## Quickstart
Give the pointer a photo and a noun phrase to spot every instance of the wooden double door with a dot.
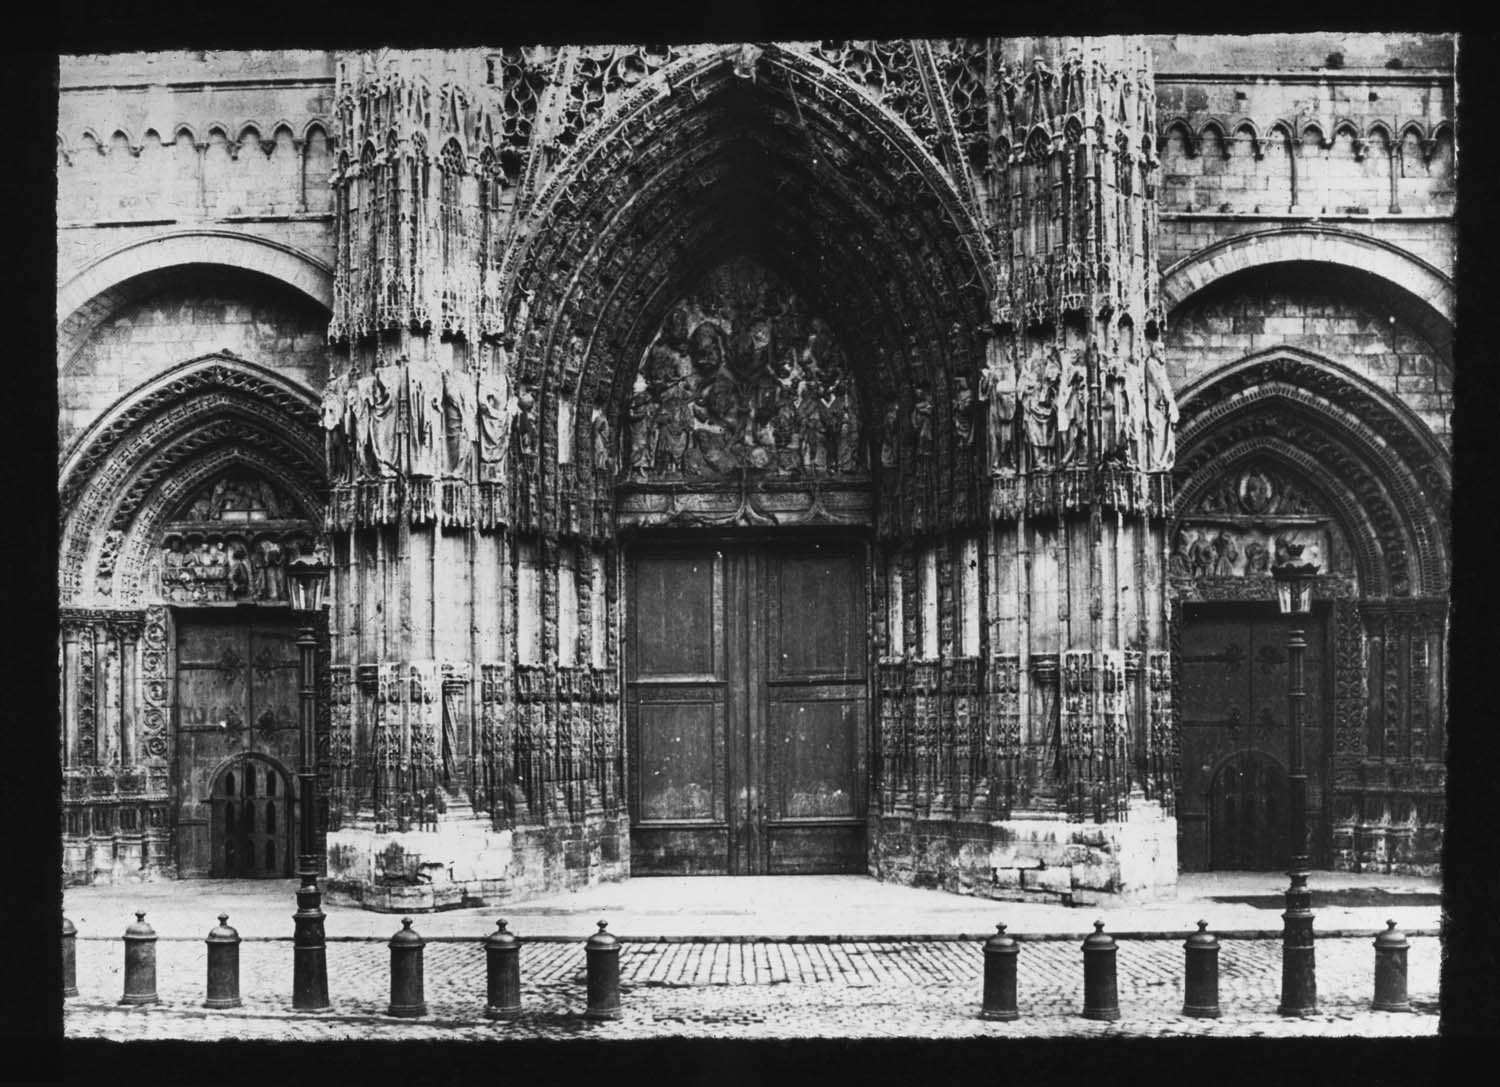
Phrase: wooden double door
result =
(1233, 805)
(747, 706)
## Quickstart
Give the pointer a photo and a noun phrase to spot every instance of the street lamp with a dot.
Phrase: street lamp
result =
(308, 579)
(1299, 985)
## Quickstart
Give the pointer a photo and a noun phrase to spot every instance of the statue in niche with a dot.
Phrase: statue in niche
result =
(459, 419)
(811, 427)
(1160, 415)
(602, 441)
(1072, 411)
(841, 432)
(334, 414)
(1179, 564)
(997, 387)
(424, 398)
(526, 427)
(1257, 558)
(1225, 555)
(1039, 405)
(496, 412)
(380, 415)
(1118, 415)
(642, 429)
(963, 411)
(889, 434)
(239, 572)
(1200, 556)
(921, 424)
(270, 575)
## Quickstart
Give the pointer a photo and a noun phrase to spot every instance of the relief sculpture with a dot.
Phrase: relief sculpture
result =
(741, 377)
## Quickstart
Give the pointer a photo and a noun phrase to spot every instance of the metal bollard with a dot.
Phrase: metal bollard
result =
(502, 952)
(1201, 975)
(223, 966)
(406, 973)
(602, 952)
(70, 959)
(1000, 955)
(1390, 971)
(140, 963)
(1101, 996)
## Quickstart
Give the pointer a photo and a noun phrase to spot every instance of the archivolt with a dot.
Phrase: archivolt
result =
(794, 165)
(145, 455)
(1387, 481)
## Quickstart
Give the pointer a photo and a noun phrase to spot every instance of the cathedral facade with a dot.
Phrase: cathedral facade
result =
(843, 456)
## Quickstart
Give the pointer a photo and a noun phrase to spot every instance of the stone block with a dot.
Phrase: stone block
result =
(1051, 880)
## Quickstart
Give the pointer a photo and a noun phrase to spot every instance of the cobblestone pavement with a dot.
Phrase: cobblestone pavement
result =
(747, 989)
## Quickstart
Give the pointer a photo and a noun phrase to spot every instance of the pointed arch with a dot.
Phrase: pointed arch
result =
(145, 455)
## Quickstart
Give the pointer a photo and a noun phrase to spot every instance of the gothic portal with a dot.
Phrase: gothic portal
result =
(853, 456)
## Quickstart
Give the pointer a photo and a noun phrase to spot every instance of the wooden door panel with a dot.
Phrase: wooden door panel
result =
(677, 625)
(818, 627)
(681, 760)
(812, 747)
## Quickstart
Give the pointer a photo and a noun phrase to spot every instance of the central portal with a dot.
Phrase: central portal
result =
(747, 706)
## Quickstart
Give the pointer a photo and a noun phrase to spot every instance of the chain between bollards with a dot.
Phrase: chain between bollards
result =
(140, 963)
(602, 952)
(1101, 996)
(502, 952)
(1390, 971)
(406, 973)
(223, 966)
(1200, 988)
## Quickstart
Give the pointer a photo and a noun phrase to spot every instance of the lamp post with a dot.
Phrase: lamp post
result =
(309, 581)
(1299, 985)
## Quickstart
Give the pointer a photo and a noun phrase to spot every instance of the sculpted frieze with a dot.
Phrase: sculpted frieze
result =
(740, 376)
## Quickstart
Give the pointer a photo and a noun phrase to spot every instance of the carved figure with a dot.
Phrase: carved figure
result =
(642, 428)
(496, 412)
(1287, 551)
(1200, 556)
(603, 442)
(459, 421)
(921, 424)
(1225, 555)
(424, 399)
(270, 582)
(963, 411)
(1257, 558)
(1039, 407)
(889, 434)
(1161, 414)
(997, 387)
(380, 416)
(1072, 411)
(239, 572)
(1179, 563)
(333, 410)
(527, 429)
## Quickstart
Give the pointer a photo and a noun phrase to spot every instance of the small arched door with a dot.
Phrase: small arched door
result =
(1248, 814)
(251, 821)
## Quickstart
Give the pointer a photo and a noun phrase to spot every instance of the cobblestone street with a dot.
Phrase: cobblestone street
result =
(748, 989)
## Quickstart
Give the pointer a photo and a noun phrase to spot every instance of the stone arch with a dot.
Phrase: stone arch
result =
(790, 162)
(144, 456)
(93, 292)
(1378, 469)
(1431, 292)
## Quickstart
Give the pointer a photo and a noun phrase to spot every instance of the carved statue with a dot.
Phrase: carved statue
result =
(1257, 558)
(459, 421)
(997, 386)
(334, 411)
(890, 433)
(270, 578)
(921, 424)
(1179, 564)
(1072, 410)
(424, 399)
(603, 442)
(239, 572)
(527, 427)
(1225, 555)
(380, 415)
(1039, 406)
(1118, 416)
(642, 428)
(496, 412)
(963, 411)
(1200, 556)
(1161, 414)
